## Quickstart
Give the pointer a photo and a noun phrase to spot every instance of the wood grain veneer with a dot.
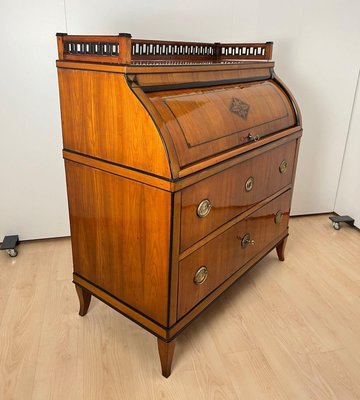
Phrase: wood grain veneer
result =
(151, 131)
(224, 255)
(204, 122)
(102, 118)
(125, 248)
(227, 193)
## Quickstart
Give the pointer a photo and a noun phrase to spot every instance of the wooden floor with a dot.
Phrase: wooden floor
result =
(286, 330)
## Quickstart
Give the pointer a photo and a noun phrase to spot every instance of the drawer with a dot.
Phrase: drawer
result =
(229, 193)
(225, 254)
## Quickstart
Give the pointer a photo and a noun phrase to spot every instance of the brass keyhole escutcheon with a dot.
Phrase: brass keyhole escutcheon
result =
(283, 166)
(203, 208)
(200, 275)
(278, 217)
(249, 184)
(246, 240)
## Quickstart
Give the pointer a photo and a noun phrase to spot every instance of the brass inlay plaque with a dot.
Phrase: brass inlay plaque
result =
(239, 107)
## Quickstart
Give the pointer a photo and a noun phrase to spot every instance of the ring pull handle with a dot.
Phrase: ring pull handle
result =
(246, 240)
(204, 208)
(283, 166)
(253, 138)
(249, 184)
(200, 275)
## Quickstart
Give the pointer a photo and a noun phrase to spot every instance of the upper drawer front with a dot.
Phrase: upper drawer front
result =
(226, 253)
(233, 191)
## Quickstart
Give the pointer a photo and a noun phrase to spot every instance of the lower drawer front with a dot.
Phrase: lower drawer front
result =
(207, 268)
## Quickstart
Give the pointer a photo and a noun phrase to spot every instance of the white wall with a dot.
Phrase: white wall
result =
(32, 194)
(348, 196)
(317, 54)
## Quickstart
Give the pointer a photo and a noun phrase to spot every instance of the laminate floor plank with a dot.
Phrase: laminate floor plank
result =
(8, 272)
(296, 376)
(22, 322)
(211, 374)
(343, 382)
(286, 330)
(59, 365)
(105, 349)
(253, 376)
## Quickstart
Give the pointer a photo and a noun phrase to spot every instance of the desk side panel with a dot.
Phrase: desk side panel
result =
(120, 234)
(102, 118)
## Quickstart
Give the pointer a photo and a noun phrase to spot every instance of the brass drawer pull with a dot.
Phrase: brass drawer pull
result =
(249, 184)
(283, 166)
(246, 240)
(203, 208)
(200, 275)
(278, 217)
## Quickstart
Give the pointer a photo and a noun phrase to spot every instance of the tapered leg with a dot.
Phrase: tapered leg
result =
(166, 352)
(84, 299)
(280, 249)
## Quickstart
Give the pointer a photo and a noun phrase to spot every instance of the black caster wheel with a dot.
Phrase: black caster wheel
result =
(336, 219)
(9, 243)
(336, 225)
(12, 252)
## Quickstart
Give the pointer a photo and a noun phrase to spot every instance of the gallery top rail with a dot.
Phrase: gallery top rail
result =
(122, 49)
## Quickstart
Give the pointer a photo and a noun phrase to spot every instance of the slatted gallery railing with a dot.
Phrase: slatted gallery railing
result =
(122, 49)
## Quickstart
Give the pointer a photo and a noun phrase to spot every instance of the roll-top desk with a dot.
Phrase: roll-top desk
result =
(180, 160)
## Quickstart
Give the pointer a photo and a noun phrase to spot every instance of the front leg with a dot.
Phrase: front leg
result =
(280, 249)
(84, 299)
(166, 352)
